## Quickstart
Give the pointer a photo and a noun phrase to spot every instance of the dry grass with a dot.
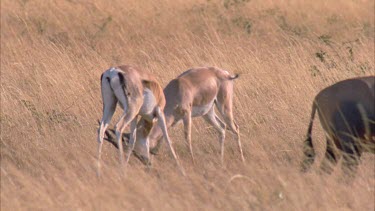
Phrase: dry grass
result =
(52, 55)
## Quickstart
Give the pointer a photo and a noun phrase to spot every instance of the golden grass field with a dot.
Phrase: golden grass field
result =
(54, 51)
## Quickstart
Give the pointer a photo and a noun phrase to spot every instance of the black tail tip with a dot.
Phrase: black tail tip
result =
(234, 76)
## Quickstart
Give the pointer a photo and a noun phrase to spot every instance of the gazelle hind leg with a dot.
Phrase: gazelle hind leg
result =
(237, 131)
(187, 132)
(220, 126)
(226, 112)
(109, 107)
(161, 122)
(120, 126)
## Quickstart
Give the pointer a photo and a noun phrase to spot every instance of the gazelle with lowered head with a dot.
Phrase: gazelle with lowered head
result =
(195, 93)
(139, 94)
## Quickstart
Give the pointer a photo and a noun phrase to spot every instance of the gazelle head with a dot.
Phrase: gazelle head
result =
(138, 149)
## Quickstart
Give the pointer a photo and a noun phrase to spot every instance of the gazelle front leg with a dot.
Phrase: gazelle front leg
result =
(187, 132)
(161, 122)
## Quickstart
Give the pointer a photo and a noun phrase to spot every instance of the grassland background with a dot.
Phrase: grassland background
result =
(52, 55)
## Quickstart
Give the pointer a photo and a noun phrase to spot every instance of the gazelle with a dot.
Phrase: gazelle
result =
(195, 93)
(138, 93)
(347, 114)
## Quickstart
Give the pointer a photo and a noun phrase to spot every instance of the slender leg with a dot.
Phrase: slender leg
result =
(187, 132)
(220, 126)
(239, 140)
(155, 150)
(161, 122)
(235, 128)
(226, 111)
(133, 132)
(109, 107)
(120, 126)
(148, 162)
(99, 157)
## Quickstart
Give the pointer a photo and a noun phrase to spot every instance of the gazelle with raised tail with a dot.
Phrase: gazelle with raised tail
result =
(195, 93)
(139, 94)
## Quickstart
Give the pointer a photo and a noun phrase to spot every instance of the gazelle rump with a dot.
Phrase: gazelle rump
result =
(139, 94)
(195, 93)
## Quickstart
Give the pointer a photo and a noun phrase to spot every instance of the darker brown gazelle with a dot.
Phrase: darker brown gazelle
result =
(139, 94)
(195, 93)
(346, 113)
